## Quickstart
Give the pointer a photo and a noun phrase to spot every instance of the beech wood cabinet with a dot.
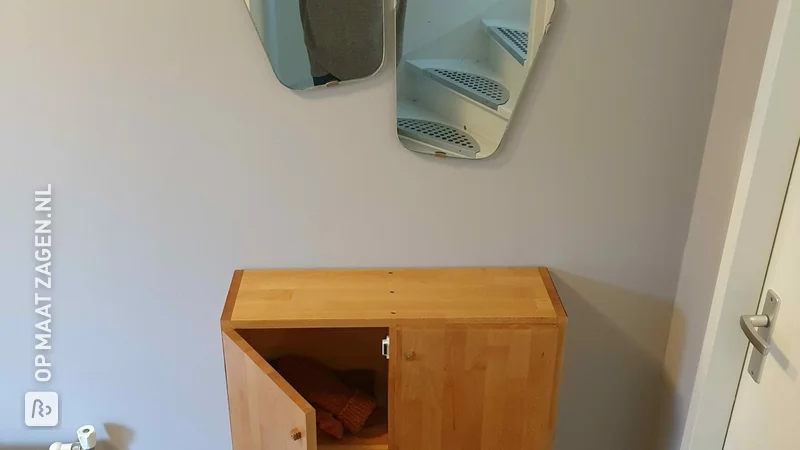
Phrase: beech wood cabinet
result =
(474, 355)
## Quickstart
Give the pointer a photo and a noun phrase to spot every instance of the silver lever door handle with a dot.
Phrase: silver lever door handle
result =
(761, 338)
(749, 325)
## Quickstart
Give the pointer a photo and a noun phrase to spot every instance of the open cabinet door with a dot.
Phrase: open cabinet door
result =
(266, 412)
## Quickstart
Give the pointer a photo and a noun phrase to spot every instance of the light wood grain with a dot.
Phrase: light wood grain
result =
(552, 293)
(475, 355)
(385, 297)
(264, 408)
(562, 329)
(230, 300)
(474, 388)
(394, 382)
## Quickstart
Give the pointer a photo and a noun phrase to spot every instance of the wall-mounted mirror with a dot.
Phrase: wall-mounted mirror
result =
(463, 65)
(314, 43)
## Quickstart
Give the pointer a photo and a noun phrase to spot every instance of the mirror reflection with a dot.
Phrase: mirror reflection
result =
(314, 43)
(463, 65)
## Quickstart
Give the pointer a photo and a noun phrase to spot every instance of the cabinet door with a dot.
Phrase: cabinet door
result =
(266, 412)
(474, 388)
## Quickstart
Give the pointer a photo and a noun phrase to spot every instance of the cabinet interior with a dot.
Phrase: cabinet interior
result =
(341, 349)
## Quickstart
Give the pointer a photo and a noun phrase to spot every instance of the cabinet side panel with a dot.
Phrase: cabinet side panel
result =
(475, 388)
(559, 365)
(264, 409)
(542, 385)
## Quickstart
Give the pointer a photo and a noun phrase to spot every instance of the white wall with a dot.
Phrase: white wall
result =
(176, 157)
(740, 72)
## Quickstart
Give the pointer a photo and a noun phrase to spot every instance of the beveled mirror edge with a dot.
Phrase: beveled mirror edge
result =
(264, 42)
(529, 77)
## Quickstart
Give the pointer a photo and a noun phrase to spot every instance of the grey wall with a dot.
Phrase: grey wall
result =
(176, 157)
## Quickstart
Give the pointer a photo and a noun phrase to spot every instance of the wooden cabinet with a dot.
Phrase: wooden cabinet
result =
(474, 355)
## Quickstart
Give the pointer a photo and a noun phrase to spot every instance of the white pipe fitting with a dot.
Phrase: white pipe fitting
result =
(87, 440)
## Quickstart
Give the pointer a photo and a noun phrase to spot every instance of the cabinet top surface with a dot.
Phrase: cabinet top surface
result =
(383, 297)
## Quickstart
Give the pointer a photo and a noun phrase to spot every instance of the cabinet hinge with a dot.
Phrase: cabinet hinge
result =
(385, 347)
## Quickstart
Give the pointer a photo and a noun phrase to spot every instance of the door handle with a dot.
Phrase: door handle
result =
(759, 329)
(749, 325)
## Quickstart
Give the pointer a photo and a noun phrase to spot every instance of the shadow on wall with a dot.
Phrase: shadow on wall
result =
(612, 377)
(119, 438)
(672, 403)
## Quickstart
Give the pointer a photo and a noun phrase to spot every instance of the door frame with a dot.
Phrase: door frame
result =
(758, 202)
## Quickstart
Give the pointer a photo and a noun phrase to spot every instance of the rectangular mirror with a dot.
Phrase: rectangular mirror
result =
(463, 66)
(314, 43)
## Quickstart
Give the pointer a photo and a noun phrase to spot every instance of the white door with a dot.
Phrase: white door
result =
(755, 259)
(766, 415)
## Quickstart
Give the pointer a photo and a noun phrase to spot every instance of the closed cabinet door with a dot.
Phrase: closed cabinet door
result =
(482, 387)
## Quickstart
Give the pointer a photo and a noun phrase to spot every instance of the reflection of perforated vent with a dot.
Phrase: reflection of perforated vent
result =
(438, 135)
(479, 88)
(519, 38)
(514, 41)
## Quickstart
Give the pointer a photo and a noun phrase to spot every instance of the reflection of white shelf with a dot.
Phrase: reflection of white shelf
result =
(501, 60)
(513, 40)
(461, 73)
(477, 68)
(410, 109)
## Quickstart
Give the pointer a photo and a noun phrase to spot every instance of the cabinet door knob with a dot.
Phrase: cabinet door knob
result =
(409, 356)
(295, 434)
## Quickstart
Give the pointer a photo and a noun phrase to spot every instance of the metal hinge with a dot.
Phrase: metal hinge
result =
(385, 347)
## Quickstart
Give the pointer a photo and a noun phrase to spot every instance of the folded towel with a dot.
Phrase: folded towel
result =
(327, 423)
(319, 384)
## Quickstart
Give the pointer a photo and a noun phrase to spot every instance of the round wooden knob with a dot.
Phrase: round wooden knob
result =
(409, 356)
(295, 434)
